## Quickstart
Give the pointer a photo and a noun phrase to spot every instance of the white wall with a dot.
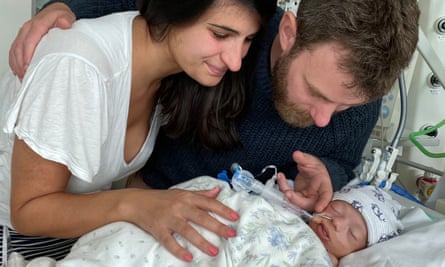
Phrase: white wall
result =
(13, 13)
(425, 103)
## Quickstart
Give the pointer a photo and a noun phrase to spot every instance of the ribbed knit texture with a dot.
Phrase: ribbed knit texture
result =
(268, 140)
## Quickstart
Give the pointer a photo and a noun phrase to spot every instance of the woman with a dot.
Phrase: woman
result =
(89, 108)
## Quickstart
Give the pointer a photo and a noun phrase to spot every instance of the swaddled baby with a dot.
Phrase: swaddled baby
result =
(358, 217)
(267, 234)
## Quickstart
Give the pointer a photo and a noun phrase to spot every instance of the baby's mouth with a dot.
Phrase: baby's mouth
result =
(322, 233)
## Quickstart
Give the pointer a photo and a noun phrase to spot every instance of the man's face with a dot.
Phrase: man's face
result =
(309, 88)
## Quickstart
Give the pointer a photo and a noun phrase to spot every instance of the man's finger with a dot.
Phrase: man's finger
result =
(283, 185)
(323, 201)
(300, 200)
(16, 59)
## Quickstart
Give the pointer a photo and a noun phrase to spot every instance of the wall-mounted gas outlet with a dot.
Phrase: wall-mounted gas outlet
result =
(440, 25)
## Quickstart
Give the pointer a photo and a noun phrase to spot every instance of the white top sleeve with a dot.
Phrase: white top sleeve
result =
(62, 116)
(72, 106)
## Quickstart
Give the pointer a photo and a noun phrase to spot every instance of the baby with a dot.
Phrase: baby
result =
(357, 217)
(267, 234)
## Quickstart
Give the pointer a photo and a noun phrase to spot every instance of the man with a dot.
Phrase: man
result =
(317, 89)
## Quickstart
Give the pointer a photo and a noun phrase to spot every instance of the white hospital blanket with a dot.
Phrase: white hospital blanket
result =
(266, 236)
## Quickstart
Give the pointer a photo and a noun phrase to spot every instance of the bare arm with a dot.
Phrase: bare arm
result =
(38, 191)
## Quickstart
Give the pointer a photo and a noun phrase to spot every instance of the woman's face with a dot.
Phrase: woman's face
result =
(215, 43)
(345, 233)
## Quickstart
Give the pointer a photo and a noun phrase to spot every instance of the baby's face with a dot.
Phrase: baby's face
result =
(345, 233)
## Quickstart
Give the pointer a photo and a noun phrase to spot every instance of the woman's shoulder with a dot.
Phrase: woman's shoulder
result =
(103, 43)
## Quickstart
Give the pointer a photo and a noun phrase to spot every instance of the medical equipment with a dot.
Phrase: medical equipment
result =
(289, 5)
(378, 169)
(415, 105)
(243, 180)
(413, 137)
(426, 96)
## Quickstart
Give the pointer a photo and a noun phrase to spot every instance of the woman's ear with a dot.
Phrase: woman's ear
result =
(287, 31)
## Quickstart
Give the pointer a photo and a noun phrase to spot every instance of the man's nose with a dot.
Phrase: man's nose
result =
(322, 114)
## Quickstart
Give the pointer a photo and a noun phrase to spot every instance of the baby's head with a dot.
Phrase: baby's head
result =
(360, 216)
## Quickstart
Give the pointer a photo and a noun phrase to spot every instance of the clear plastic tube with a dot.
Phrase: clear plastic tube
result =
(243, 180)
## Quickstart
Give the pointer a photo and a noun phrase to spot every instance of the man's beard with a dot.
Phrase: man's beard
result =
(289, 112)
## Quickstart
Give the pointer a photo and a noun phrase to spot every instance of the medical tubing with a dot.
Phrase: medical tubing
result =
(398, 190)
(413, 135)
(245, 181)
(403, 110)
(402, 192)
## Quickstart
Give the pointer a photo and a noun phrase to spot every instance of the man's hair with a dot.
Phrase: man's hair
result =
(378, 37)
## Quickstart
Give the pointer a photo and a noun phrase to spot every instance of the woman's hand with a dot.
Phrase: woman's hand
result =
(38, 190)
(165, 212)
(21, 51)
(312, 186)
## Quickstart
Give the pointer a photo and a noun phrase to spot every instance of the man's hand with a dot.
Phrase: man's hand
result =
(21, 51)
(312, 186)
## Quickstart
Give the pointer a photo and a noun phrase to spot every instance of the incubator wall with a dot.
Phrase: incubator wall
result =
(425, 104)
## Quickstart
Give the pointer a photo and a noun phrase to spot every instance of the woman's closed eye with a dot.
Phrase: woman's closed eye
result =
(250, 38)
(219, 35)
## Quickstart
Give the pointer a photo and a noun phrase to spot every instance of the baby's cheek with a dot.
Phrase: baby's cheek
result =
(316, 220)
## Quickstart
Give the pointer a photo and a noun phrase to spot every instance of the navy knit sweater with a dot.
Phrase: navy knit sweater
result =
(266, 139)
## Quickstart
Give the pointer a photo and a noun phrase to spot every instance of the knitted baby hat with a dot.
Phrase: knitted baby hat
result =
(380, 211)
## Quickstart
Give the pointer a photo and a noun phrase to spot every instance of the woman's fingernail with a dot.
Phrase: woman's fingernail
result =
(213, 251)
(188, 257)
(234, 215)
(231, 233)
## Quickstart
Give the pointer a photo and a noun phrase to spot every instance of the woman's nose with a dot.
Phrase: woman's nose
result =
(233, 56)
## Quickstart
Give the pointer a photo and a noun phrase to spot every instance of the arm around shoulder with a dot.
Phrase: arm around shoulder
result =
(96, 8)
